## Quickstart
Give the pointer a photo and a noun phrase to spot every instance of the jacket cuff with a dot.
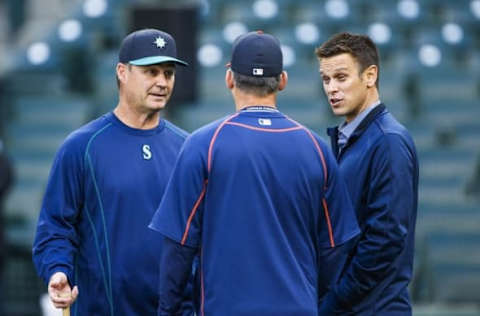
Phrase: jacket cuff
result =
(63, 269)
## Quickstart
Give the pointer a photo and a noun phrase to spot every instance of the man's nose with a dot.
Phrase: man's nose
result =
(160, 80)
(331, 86)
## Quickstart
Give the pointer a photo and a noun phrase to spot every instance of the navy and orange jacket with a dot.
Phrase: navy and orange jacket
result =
(261, 198)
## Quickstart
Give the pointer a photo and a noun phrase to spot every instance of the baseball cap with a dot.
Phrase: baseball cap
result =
(257, 54)
(148, 47)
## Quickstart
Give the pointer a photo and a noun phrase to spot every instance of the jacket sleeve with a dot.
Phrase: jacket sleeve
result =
(56, 239)
(179, 215)
(175, 283)
(390, 209)
(179, 219)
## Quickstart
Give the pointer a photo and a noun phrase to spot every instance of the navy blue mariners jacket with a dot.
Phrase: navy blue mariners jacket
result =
(105, 184)
(262, 199)
(380, 166)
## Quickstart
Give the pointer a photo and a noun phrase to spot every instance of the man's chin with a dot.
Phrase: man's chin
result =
(158, 106)
(338, 112)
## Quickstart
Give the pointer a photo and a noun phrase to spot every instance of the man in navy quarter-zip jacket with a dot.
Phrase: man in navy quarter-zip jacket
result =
(378, 160)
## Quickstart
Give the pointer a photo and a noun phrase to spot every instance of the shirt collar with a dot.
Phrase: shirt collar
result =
(259, 108)
(347, 128)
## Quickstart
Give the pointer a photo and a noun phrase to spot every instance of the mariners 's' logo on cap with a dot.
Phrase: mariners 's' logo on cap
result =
(160, 42)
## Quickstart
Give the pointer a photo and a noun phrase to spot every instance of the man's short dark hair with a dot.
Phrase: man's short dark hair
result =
(258, 86)
(361, 47)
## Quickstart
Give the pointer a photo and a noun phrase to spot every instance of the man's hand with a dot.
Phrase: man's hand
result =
(60, 292)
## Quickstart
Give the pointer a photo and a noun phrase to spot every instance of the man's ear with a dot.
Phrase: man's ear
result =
(121, 72)
(370, 75)
(283, 81)
(229, 79)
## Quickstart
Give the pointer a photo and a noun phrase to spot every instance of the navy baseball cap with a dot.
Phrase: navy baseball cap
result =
(257, 54)
(149, 47)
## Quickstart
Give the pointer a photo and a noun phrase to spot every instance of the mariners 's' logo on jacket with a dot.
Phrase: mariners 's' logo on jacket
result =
(147, 154)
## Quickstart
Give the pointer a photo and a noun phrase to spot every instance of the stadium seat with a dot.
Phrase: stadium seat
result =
(21, 286)
(330, 16)
(455, 263)
(42, 122)
(455, 113)
(260, 14)
(443, 81)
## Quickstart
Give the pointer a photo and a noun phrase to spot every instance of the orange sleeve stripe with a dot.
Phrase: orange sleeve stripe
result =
(317, 146)
(325, 173)
(192, 213)
(214, 138)
(329, 224)
(322, 158)
(324, 201)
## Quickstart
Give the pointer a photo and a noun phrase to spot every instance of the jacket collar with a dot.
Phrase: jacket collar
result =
(333, 131)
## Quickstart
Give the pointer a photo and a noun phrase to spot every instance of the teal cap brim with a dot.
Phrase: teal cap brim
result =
(152, 60)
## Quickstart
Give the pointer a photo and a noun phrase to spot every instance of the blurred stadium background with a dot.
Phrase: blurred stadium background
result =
(57, 72)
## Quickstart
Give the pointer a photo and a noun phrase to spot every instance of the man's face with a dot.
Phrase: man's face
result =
(148, 88)
(345, 88)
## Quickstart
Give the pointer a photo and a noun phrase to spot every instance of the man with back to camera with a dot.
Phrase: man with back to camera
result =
(260, 197)
(378, 160)
(106, 182)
